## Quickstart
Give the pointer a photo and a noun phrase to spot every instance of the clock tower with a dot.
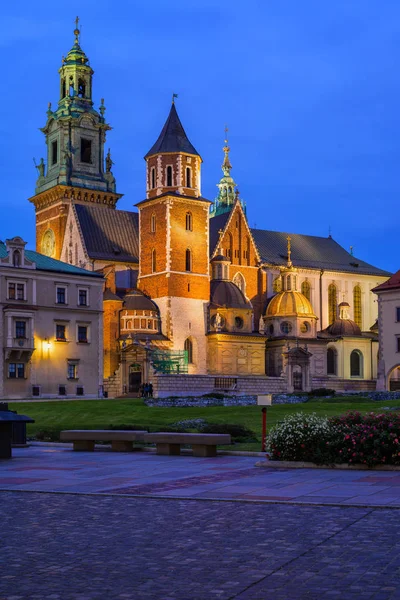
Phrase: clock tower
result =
(76, 169)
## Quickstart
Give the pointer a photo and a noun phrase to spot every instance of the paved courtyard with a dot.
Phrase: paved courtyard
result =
(139, 526)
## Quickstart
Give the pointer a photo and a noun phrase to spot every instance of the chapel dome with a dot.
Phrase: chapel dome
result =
(225, 294)
(344, 328)
(289, 304)
(136, 300)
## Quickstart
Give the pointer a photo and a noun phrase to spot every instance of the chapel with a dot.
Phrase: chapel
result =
(195, 300)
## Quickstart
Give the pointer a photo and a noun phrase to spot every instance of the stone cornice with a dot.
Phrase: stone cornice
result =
(68, 193)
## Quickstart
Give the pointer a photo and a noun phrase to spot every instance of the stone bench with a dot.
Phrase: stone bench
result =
(203, 444)
(84, 439)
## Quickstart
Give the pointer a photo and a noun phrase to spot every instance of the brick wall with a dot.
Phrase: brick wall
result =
(344, 385)
(197, 385)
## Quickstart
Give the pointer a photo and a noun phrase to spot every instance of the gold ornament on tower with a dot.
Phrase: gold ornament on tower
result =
(48, 244)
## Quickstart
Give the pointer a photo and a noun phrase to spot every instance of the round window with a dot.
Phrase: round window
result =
(304, 327)
(238, 322)
(217, 321)
(271, 329)
(286, 327)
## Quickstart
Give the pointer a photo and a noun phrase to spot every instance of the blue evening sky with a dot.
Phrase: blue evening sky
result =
(309, 89)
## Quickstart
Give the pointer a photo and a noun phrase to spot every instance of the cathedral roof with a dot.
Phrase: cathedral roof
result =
(225, 294)
(311, 252)
(109, 234)
(173, 137)
(136, 300)
(341, 328)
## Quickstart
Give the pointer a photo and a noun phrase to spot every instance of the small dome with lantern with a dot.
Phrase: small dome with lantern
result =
(343, 326)
(290, 312)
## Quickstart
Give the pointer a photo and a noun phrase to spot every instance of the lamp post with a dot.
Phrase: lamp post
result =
(264, 401)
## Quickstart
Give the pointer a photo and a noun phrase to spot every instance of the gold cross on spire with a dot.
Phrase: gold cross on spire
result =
(76, 30)
(289, 251)
(226, 134)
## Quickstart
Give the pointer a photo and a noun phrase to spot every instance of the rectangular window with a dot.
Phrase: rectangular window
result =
(16, 291)
(83, 298)
(398, 314)
(72, 371)
(54, 152)
(86, 151)
(20, 329)
(82, 334)
(61, 295)
(80, 391)
(60, 333)
(398, 344)
(62, 390)
(16, 370)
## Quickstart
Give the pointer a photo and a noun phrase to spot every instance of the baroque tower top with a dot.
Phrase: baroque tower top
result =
(76, 132)
(227, 187)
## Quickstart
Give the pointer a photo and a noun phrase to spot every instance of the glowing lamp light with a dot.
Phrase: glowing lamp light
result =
(47, 344)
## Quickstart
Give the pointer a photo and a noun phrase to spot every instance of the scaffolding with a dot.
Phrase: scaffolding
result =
(169, 362)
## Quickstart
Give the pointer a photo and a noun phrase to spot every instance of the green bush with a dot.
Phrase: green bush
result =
(321, 392)
(238, 433)
(48, 435)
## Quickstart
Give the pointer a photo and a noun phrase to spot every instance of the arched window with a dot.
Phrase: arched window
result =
(188, 261)
(306, 290)
(189, 223)
(331, 361)
(63, 88)
(169, 176)
(153, 178)
(332, 303)
(277, 285)
(153, 261)
(128, 325)
(153, 223)
(357, 305)
(17, 258)
(356, 364)
(81, 88)
(289, 283)
(71, 86)
(188, 177)
(240, 282)
(188, 347)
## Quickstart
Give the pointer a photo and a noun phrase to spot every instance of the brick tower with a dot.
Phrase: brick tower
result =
(174, 262)
(74, 171)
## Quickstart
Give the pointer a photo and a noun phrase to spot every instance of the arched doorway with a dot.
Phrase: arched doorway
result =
(135, 377)
(393, 379)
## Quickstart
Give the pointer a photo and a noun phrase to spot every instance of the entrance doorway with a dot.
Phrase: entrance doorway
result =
(135, 377)
(297, 379)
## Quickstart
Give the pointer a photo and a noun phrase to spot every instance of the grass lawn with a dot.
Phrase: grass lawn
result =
(132, 411)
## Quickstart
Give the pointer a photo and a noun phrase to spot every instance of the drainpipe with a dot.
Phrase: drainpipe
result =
(320, 296)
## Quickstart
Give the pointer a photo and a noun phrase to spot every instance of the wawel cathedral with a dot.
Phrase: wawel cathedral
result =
(195, 300)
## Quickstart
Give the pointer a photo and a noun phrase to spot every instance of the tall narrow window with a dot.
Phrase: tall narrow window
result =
(63, 88)
(189, 225)
(81, 88)
(357, 305)
(54, 152)
(188, 177)
(169, 176)
(153, 178)
(153, 260)
(331, 361)
(306, 290)
(20, 329)
(189, 349)
(153, 223)
(86, 151)
(188, 261)
(356, 364)
(17, 258)
(332, 303)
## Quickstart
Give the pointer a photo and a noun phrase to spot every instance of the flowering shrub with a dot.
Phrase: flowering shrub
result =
(300, 437)
(352, 438)
(369, 439)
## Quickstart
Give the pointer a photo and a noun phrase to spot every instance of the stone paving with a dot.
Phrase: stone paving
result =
(146, 535)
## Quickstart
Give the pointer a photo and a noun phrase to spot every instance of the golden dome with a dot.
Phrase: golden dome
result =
(289, 304)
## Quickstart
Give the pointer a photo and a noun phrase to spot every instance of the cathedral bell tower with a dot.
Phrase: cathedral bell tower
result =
(76, 170)
(173, 222)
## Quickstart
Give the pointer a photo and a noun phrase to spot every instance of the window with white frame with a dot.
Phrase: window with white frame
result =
(20, 329)
(61, 295)
(61, 332)
(16, 370)
(16, 290)
(83, 297)
(72, 369)
(82, 334)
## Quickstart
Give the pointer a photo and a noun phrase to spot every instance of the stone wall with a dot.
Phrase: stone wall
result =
(165, 386)
(344, 385)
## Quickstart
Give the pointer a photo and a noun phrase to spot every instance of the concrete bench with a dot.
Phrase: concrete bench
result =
(84, 439)
(203, 444)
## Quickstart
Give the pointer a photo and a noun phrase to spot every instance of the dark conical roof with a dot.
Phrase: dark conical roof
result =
(173, 137)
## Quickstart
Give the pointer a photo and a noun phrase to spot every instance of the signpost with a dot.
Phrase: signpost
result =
(264, 401)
